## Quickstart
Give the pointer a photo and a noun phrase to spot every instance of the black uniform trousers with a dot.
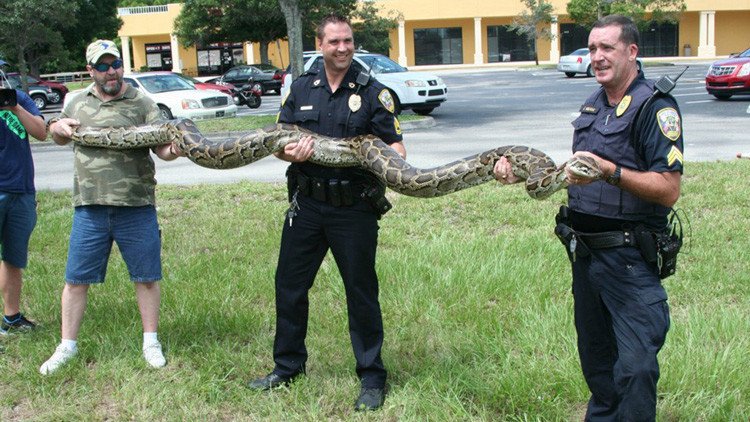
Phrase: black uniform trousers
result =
(622, 319)
(351, 232)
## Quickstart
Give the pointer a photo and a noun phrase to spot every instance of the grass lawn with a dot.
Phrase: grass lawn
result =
(475, 291)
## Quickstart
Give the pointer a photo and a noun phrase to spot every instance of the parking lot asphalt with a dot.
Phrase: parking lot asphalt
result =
(486, 108)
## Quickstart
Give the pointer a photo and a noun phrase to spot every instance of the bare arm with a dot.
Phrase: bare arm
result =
(34, 125)
(660, 188)
(62, 130)
(400, 149)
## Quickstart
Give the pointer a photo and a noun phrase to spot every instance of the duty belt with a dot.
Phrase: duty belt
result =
(604, 240)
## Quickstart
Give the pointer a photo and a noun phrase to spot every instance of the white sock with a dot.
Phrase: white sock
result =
(149, 339)
(69, 344)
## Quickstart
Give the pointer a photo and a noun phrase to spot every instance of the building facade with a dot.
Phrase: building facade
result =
(443, 33)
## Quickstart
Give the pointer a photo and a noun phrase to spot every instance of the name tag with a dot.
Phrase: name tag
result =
(307, 107)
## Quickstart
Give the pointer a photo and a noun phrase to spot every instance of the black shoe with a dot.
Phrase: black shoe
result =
(271, 381)
(369, 399)
(20, 324)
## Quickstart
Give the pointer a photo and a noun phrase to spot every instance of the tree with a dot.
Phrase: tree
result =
(95, 19)
(210, 21)
(371, 31)
(536, 13)
(586, 12)
(43, 36)
(28, 37)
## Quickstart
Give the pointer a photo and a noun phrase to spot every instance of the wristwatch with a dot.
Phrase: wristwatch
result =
(50, 121)
(614, 178)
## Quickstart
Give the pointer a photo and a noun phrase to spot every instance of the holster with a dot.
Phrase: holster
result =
(574, 246)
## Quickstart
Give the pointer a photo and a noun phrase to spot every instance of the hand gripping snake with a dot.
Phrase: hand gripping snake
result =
(541, 175)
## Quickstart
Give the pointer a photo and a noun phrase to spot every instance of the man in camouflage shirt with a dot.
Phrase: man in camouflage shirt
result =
(114, 200)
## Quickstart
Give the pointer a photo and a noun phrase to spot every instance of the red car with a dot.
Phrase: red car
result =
(240, 97)
(729, 77)
(59, 91)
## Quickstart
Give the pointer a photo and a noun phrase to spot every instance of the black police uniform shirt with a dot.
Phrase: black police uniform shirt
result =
(310, 104)
(656, 145)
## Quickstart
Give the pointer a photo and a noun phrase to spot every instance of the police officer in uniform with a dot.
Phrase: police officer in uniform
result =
(336, 208)
(621, 315)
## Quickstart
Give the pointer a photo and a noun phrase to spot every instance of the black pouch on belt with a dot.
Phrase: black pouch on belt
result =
(318, 189)
(347, 194)
(334, 192)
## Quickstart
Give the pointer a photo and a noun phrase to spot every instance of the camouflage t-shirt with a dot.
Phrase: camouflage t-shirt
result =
(107, 176)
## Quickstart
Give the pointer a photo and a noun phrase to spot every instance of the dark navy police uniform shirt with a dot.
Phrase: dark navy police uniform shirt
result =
(16, 164)
(310, 104)
(656, 145)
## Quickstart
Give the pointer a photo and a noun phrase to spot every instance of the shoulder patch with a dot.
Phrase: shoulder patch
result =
(669, 123)
(387, 101)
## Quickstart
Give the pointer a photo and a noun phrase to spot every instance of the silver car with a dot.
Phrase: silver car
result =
(578, 61)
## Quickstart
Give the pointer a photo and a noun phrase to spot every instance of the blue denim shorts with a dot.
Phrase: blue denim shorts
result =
(17, 221)
(95, 227)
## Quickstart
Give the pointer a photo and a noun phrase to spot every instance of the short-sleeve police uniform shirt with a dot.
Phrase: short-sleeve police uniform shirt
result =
(351, 110)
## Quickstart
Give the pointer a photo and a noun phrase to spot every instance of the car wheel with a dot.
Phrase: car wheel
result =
(40, 101)
(722, 96)
(589, 72)
(424, 111)
(56, 97)
(570, 74)
(165, 112)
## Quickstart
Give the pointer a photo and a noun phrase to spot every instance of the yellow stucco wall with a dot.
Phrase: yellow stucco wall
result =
(731, 35)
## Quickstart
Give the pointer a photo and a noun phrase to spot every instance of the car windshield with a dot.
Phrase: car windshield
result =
(745, 53)
(164, 83)
(382, 64)
(580, 52)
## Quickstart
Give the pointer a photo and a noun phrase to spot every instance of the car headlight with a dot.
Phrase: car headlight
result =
(189, 104)
(744, 70)
(415, 83)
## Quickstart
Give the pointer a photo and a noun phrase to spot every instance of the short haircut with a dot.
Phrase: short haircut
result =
(331, 18)
(628, 31)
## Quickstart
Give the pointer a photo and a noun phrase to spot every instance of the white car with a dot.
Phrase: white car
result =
(418, 91)
(177, 98)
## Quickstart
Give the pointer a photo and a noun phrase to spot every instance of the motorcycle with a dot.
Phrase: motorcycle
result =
(250, 94)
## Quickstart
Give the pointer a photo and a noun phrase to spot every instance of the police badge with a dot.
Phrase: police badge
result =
(355, 102)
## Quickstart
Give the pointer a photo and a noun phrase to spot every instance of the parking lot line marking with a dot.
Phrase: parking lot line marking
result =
(693, 93)
(700, 101)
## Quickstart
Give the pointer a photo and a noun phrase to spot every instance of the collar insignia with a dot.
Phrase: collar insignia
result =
(351, 85)
(316, 82)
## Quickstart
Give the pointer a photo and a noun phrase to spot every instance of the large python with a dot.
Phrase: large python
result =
(541, 175)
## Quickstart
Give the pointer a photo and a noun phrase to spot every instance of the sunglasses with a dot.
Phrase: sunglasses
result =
(103, 67)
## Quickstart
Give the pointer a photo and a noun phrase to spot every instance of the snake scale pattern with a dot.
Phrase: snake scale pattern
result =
(542, 177)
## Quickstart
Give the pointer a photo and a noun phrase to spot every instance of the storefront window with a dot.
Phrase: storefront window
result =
(572, 37)
(215, 59)
(438, 46)
(159, 56)
(659, 39)
(504, 45)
